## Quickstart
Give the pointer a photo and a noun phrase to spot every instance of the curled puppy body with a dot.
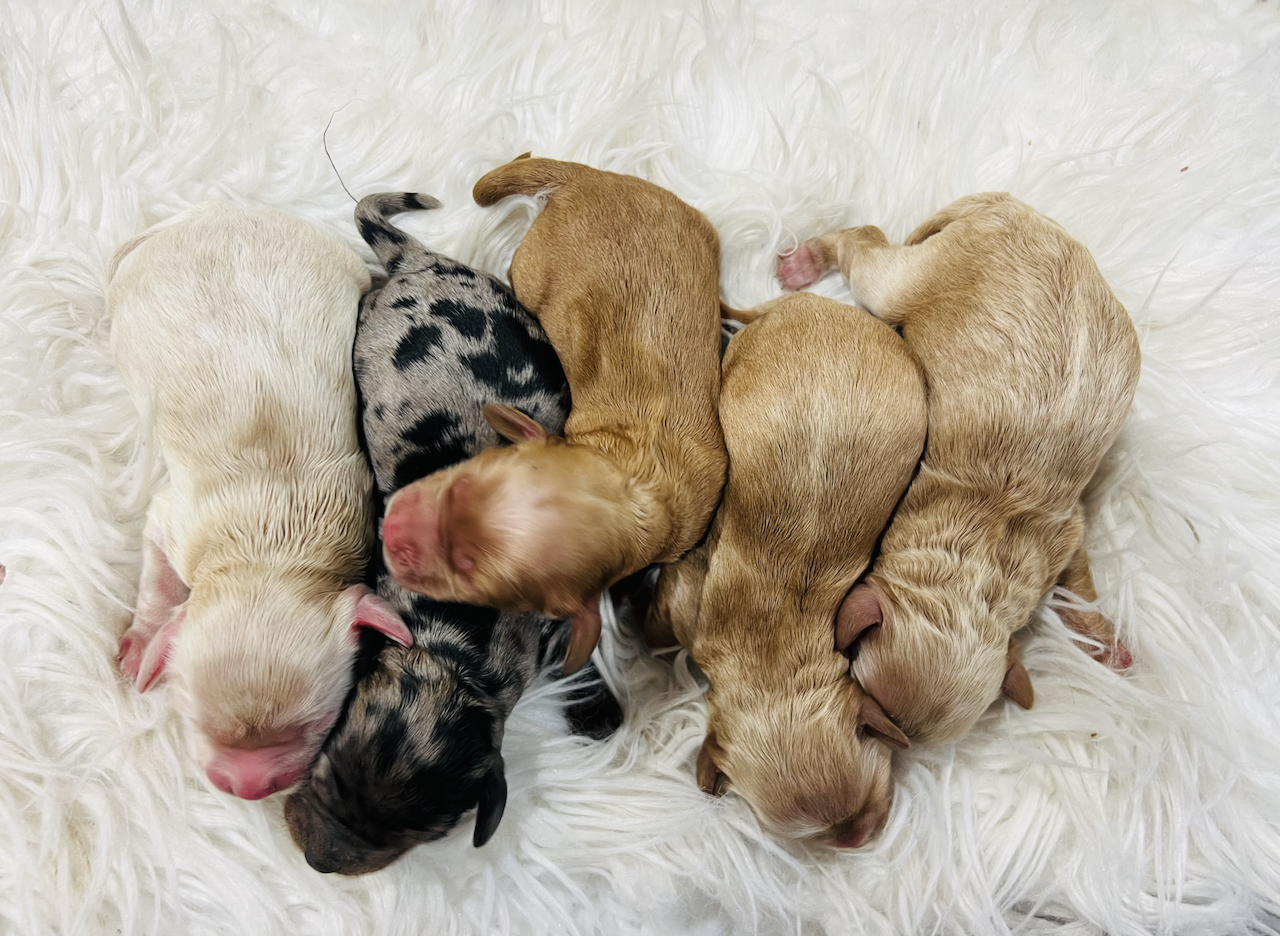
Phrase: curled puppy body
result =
(824, 417)
(232, 330)
(624, 277)
(419, 744)
(1032, 364)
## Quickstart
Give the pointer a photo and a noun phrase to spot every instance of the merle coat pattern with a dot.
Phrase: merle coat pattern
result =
(420, 741)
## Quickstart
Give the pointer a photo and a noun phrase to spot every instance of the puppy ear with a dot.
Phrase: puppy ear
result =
(1017, 685)
(159, 649)
(859, 611)
(511, 424)
(493, 801)
(584, 635)
(710, 779)
(873, 720)
(373, 611)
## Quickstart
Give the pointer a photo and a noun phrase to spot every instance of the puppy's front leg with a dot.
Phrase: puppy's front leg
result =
(673, 615)
(160, 590)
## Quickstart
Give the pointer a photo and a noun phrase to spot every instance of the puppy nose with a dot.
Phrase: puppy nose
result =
(851, 839)
(255, 789)
(249, 784)
(219, 779)
(400, 528)
(407, 530)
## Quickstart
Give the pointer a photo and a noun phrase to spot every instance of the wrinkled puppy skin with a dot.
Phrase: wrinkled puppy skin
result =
(419, 742)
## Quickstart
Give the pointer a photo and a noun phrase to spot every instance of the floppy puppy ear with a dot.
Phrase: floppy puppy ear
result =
(583, 636)
(493, 801)
(710, 778)
(1017, 682)
(373, 611)
(859, 611)
(1017, 685)
(511, 424)
(873, 720)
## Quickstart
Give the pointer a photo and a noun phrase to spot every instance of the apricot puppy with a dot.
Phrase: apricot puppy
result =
(824, 417)
(1031, 364)
(624, 278)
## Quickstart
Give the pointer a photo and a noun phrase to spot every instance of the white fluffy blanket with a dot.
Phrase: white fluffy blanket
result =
(1151, 130)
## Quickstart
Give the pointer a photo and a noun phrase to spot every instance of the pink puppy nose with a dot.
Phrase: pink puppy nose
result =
(252, 774)
(408, 531)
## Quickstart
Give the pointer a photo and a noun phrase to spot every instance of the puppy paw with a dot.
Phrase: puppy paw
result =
(132, 647)
(1117, 657)
(799, 268)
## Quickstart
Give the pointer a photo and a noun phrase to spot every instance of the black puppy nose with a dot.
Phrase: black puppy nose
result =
(324, 862)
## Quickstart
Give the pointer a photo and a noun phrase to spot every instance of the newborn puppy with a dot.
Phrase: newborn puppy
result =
(1031, 364)
(823, 412)
(420, 741)
(624, 277)
(232, 330)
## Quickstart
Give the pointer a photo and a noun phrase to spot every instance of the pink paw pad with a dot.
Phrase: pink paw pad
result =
(799, 268)
(1118, 657)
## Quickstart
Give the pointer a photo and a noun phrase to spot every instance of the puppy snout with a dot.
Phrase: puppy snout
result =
(408, 532)
(256, 773)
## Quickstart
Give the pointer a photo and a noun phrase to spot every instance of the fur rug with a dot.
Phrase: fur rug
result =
(1148, 803)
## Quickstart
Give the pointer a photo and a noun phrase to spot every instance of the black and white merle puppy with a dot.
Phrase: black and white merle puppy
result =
(419, 742)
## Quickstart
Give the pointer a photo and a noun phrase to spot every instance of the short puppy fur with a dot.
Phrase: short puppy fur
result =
(1032, 364)
(232, 330)
(624, 277)
(420, 741)
(823, 411)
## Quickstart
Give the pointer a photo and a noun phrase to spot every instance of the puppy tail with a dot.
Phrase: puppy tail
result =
(393, 246)
(522, 176)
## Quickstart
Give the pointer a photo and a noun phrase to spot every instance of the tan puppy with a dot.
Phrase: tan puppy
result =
(824, 417)
(1031, 364)
(624, 278)
(232, 330)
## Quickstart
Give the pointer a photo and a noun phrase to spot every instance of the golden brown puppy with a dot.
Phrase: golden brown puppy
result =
(1031, 363)
(824, 417)
(624, 278)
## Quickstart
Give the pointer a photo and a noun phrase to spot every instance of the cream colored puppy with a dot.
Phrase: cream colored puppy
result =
(1031, 364)
(233, 330)
(824, 418)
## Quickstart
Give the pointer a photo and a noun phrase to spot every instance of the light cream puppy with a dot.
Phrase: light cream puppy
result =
(823, 412)
(233, 331)
(1031, 364)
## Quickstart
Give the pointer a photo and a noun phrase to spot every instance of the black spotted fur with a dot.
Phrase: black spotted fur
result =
(419, 742)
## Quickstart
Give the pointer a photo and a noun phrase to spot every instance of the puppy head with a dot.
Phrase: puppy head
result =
(263, 667)
(812, 763)
(416, 749)
(536, 526)
(935, 681)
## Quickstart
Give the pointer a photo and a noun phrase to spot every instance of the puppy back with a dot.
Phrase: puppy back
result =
(823, 410)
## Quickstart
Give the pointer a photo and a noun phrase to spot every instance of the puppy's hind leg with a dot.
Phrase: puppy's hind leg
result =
(1077, 578)
(880, 274)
